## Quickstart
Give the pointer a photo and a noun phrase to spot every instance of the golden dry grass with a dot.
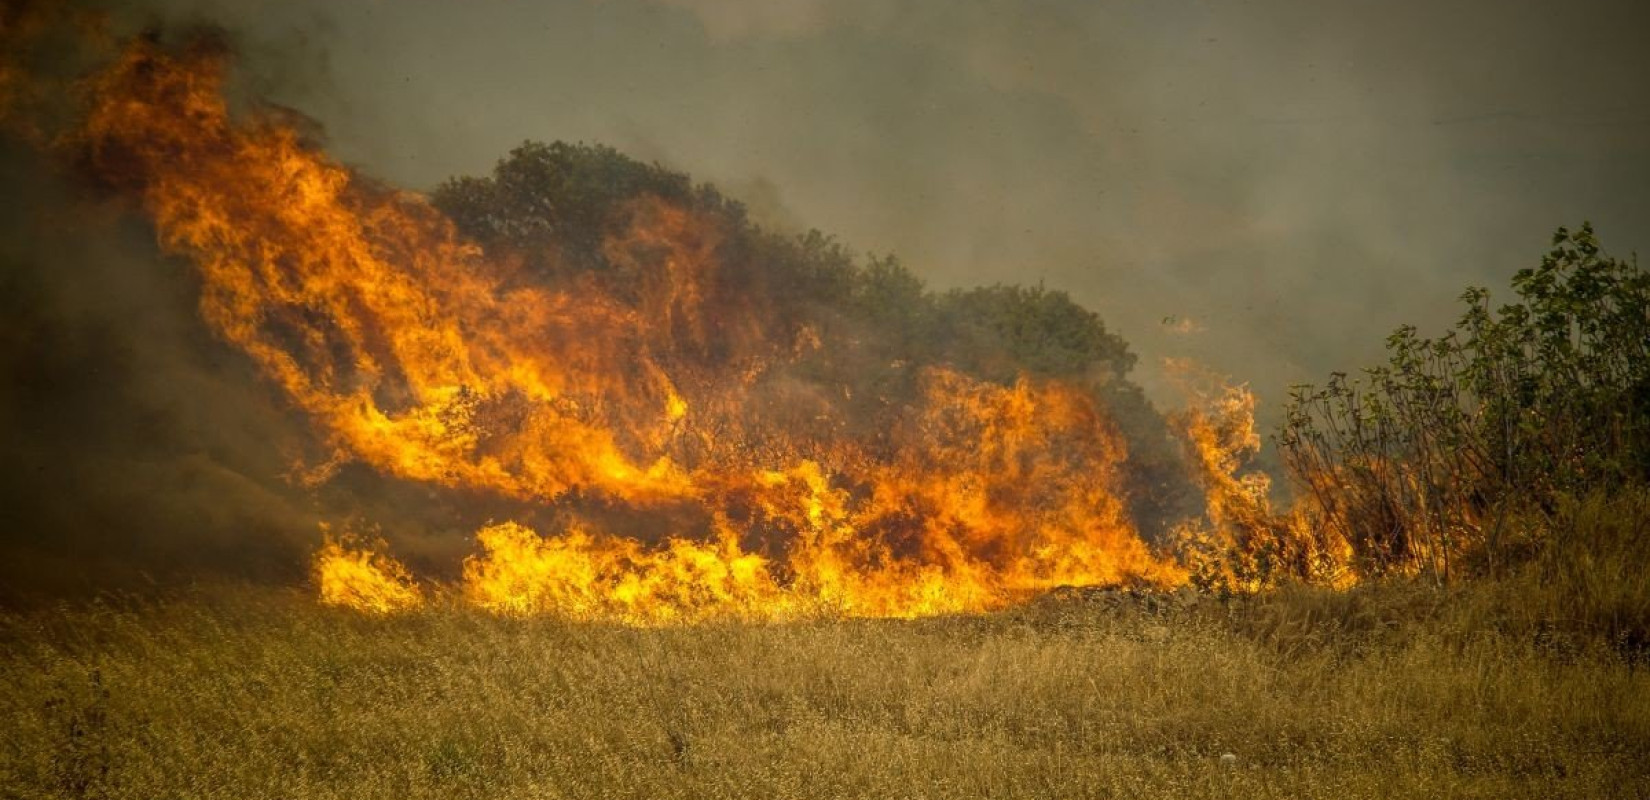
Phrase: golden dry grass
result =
(1378, 693)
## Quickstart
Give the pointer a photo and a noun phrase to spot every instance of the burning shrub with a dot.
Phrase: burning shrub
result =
(1244, 543)
(1419, 463)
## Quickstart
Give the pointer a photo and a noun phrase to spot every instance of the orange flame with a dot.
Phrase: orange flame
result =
(1247, 545)
(415, 353)
(996, 518)
(364, 580)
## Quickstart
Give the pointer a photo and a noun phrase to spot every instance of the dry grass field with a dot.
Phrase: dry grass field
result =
(1397, 691)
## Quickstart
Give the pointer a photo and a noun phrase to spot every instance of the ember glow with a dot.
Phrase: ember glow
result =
(416, 353)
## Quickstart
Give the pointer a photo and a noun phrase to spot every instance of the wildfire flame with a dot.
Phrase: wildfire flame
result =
(363, 579)
(418, 354)
(1247, 544)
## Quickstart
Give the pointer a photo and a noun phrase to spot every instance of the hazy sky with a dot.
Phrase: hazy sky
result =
(1286, 179)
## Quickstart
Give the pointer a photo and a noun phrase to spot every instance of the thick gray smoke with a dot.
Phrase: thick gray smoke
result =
(138, 448)
(128, 438)
(1268, 187)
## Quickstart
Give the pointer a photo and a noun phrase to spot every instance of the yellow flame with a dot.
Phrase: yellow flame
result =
(363, 580)
(598, 577)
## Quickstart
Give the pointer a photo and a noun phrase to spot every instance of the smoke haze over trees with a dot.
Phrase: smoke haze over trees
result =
(1285, 180)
